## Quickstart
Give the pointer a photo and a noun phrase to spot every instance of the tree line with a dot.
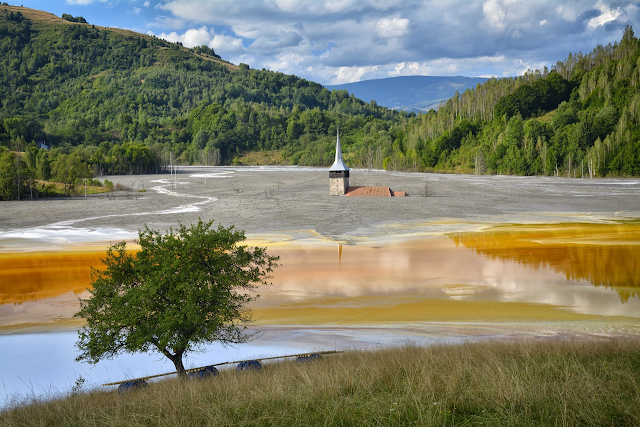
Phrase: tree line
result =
(123, 102)
(578, 119)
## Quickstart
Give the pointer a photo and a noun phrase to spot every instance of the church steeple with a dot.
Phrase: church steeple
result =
(338, 165)
(338, 173)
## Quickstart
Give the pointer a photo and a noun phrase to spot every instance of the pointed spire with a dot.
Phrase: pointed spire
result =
(338, 165)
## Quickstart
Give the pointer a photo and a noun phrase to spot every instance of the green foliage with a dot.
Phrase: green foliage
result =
(71, 18)
(16, 178)
(126, 103)
(580, 119)
(180, 291)
(206, 50)
(87, 86)
(68, 169)
(543, 95)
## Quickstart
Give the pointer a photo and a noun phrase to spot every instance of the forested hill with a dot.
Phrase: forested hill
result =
(111, 101)
(581, 118)
(121, 102)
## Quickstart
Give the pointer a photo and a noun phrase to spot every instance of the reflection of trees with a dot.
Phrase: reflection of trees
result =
(36, 275)
(597, 253)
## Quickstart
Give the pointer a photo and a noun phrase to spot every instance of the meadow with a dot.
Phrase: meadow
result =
(553, 382)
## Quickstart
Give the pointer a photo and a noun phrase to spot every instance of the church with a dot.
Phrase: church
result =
(339, 181)
(338, 173)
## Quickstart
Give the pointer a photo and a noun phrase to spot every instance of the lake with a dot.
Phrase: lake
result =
(518, 281)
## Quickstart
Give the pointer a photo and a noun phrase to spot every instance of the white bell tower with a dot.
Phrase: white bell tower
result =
(338, 173)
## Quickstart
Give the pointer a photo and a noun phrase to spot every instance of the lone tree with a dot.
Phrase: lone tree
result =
(182, 290)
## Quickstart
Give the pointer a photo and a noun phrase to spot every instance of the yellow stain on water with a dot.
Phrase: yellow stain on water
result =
(37, 275)
(510, 272)
(376, 311)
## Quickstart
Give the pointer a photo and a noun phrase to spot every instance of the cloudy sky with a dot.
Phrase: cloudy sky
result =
(341, 41)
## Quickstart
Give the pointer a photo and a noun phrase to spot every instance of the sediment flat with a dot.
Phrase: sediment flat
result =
(285, 199)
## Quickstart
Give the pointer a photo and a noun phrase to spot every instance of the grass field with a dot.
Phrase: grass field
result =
(557, 382)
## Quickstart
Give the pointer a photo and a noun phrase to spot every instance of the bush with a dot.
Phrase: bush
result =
(71, 18)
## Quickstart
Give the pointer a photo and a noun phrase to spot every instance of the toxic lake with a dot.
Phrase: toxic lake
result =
(479, 257)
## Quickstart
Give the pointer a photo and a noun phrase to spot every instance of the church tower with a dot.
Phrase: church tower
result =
(338, 173)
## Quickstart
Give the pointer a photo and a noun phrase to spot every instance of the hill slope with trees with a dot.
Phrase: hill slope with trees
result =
(123, 102)
(581, 118)
(111, 101)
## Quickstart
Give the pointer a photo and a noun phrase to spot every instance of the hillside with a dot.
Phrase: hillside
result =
(579, 119)
(410, 93)
(110, 101)
(123, 102)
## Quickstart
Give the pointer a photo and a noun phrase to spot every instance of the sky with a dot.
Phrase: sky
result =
(344, 41)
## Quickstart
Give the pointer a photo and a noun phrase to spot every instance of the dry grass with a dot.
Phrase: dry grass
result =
(491, 383)
(57, 189)
(264, 157)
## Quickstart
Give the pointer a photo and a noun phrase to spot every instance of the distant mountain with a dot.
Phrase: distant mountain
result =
(410, 93)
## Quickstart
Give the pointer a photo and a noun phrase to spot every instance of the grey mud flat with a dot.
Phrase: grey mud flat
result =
(286, 199)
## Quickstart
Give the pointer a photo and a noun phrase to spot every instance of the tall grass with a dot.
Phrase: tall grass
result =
(490, 383)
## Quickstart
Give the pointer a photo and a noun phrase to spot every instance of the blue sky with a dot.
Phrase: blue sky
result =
(340, 41)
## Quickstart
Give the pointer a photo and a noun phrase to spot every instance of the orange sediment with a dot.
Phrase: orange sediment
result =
(378, 311)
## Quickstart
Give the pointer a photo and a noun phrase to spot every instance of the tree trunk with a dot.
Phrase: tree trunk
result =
(177, 361)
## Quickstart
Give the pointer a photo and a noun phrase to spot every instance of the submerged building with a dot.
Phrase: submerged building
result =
(339, 181)
(338, 173)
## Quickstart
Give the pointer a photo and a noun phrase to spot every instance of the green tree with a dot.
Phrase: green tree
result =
(68, 168)
(182, 290)
(8, 175)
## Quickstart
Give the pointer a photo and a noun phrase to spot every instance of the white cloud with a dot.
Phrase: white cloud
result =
(405, 68)
(190, 38)
(285, 39)
(166, 22)
(346, 40)
(494, 14)
(390, 28)
(567, 13)
(136, 10)
(80, 2)
(443, 66)
(226, 44)
(606, 15)
(203, 36)
(146, 4)
(351, 74)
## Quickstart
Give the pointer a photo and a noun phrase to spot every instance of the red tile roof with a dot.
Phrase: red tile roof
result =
(373, 192)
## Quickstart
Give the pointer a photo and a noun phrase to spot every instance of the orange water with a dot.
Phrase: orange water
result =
(38, 275)
(603, 255)
(517, 273)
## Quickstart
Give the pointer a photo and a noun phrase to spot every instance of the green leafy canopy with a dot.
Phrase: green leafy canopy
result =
(181, 290)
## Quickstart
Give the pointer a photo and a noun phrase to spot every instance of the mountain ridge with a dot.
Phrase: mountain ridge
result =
(410, 93)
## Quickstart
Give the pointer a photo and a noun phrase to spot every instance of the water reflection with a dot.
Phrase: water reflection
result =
(36, 275)
(510, 273)
(604, 255)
